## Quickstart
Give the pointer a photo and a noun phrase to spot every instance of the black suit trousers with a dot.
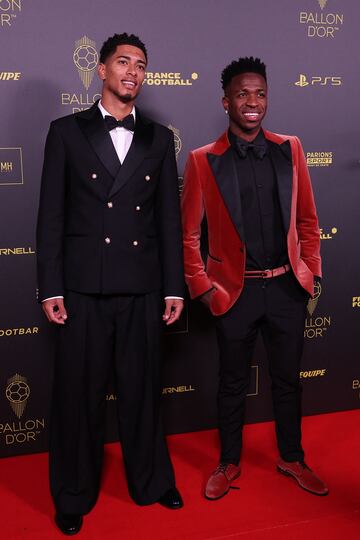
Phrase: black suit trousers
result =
(276, 308)
(104, 334)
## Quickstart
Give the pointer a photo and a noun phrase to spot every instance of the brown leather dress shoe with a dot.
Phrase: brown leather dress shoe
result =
(220, 480)
(303, 475)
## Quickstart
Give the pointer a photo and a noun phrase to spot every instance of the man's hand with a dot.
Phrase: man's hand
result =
(54, 310)
(173, 309)
(206, 297)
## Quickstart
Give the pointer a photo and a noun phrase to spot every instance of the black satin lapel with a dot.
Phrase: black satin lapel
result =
(282, 161)
(140, 146)
(97, 134)
(225, 174)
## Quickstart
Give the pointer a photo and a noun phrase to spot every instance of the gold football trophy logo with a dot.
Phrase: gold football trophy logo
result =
(177, 140)
(322, 3)
(302, 81)
(85, 59)
(17, 392)
(312, 303)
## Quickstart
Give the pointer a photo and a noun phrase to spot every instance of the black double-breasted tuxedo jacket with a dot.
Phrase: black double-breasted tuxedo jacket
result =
(103, 227)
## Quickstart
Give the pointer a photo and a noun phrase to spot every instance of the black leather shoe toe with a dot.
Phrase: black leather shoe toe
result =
(68, 523)
(171, 499)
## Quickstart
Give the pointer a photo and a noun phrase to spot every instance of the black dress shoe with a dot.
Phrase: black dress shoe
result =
(68, 523)
(171, 499)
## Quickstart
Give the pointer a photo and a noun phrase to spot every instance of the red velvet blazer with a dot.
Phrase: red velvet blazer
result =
(211, 187)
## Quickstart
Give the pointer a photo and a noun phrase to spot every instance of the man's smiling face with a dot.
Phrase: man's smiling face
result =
(245, 101)
(123, 72)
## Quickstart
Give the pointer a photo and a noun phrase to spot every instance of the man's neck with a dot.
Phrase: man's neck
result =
(115, 107)
(245, 135)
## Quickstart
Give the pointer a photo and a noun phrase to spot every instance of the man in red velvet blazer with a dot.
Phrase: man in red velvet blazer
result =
(254, 188)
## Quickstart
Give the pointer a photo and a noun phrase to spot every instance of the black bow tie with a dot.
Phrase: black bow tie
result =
(258, 149)
(128, 122)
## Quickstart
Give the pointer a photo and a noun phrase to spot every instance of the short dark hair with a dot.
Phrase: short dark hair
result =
(109, 46)
(248, 64)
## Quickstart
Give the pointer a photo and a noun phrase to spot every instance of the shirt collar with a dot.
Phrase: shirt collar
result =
(259, 139)
(104, 112)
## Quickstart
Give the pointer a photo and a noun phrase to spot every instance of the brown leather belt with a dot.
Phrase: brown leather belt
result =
(265, 274)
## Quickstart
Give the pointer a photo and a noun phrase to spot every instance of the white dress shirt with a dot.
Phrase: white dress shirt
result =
(121, 137)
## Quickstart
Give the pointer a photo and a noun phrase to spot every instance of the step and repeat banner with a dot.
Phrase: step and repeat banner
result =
(49, 53)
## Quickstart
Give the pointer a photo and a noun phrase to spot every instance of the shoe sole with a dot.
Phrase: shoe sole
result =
(68, 533)
(286, 473)
(226, 492)
(178, 507)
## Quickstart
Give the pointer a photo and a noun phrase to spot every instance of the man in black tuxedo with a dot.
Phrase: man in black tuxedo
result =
(109, 250)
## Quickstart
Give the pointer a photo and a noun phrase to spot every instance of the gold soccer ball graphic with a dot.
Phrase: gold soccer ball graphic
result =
(317, 290)
(177, 140)
(178, 144)
(312, 303)
(17, 392)
(85, 57)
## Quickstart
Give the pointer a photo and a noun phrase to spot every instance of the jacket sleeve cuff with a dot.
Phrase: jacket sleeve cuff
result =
(199, 287)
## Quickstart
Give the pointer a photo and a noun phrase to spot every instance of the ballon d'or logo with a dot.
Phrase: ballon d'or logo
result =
(85, 59)
(177, 140)
(17, 392)
(312, 303)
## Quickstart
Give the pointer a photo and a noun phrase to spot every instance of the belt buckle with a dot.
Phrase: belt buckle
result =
(265, 273)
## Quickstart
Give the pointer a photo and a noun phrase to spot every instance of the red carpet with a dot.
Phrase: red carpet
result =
(267, 505)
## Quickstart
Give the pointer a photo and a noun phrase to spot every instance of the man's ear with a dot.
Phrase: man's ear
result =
(225, 103)
(101, 69)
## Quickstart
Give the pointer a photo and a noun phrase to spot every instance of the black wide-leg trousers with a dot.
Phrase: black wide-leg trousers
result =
(277, 308)
(103, 335)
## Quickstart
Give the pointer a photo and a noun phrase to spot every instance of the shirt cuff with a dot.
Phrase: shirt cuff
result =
(51, 298)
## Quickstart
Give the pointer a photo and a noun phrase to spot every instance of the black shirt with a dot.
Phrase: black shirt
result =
(265, 237)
